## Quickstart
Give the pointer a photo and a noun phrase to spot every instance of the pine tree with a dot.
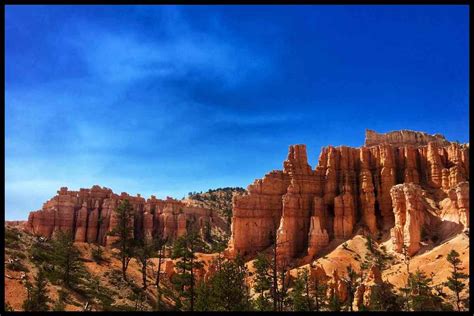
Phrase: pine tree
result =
(60, 304)
(383, 298)
(184, 249)
(319, 289)
(335, 303)
(37, 294)
(144, 250)
(299, 294)
(455, 281)
(351, 282)
(97, 253)
(124, 232)
(420, 294)
(262, 282)
(205, 300)
(66, 257)
(159, 246)
(406, 290)
(227, 288)
(282, 292)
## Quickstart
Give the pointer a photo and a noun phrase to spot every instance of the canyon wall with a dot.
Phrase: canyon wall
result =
(303, 209)
(89, 215)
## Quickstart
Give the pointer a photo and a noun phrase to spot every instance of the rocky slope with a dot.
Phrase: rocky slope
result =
(217, 200)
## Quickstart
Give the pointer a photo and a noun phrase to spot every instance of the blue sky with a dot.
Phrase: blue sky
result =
(170, 99)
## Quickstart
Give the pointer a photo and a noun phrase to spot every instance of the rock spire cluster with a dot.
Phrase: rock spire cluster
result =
(89, 215)
(381, 186)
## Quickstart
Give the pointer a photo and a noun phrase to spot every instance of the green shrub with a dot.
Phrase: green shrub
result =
(12, 239)
(97, 254)
(17, 266)
(18, 254)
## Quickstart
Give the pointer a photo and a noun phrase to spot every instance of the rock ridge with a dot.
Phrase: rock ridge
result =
(306, 208)
(89, 215)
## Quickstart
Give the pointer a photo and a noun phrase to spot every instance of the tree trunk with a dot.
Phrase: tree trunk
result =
(160, 254)
(144, 274)
(275, 278)
(192, 276)
(124, 269)
(308, 298)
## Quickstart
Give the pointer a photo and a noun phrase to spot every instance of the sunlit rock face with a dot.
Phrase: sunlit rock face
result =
(89, 214)
(306, 208)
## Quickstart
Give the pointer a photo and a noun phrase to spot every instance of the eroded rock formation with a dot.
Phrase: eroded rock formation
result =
(412, 217)
(403, 137)
(364, 291)
(304, 208)
(89, 215)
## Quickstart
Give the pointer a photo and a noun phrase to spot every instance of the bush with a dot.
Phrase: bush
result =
(97, 253)
(17, 266)
(18, 254)
(8, 308)
(11, 240)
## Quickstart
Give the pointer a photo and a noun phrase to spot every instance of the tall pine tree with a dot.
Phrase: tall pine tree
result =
(455, 280)
(37, 294)
(184, 250)
(124, 233)
(66, 257)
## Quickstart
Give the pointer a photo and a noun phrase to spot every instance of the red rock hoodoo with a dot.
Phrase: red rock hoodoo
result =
(89, 215)
(381, 187)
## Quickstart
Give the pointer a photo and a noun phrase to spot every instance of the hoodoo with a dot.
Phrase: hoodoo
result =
(379, 187)
(89, 215)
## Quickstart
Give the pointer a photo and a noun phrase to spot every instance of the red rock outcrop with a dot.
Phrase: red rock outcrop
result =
(364, 291)
(306, 208)
(403, 137)
(462, 194)
(412, 216)
(337, 287)
(89, 215)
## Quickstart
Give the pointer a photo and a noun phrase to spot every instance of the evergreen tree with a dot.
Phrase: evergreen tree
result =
(37, 294)
(144, 250)
(406, 290)
(383, 298)
(66, 257)
(262, 282)
(227, 288)
(282, 292)
(375, 255)
(159, 245)
(319, 289)
(299, 295)
(335, 303)
(124, 233)
(60, 304)
(421, 297)
(205, 300)
(97, 253)
(455, 281)
(351, 282)
(184, 250)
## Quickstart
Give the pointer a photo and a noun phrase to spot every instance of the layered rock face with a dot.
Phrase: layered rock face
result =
(403, 137)
(412, 215)
(89, 215)
(304, 208)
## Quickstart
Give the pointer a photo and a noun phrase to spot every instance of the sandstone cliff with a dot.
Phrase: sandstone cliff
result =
(89, 215)
(304, 209)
